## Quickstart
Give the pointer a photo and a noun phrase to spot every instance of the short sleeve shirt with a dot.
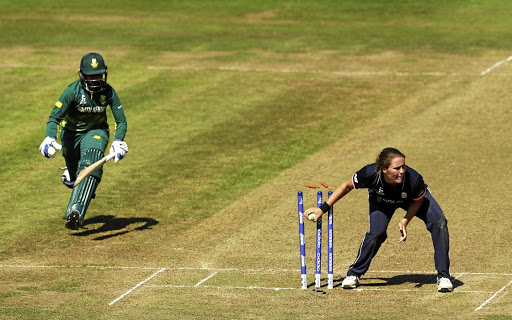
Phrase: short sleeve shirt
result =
(412, 187)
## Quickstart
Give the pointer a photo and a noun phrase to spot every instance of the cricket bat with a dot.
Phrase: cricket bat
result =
(93, 167)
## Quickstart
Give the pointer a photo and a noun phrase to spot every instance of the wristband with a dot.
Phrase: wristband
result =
(325, 207)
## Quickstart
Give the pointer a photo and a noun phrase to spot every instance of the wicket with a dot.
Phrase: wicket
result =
(318, 256)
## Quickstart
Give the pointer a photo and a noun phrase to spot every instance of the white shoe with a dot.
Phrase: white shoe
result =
(350, 282)
(444, 285)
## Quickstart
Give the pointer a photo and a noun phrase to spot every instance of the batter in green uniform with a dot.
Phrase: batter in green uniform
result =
(80, 114)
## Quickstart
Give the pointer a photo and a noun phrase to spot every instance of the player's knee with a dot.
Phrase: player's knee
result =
(377, 237)
(439, 223)
(442, 223)
(89, 157)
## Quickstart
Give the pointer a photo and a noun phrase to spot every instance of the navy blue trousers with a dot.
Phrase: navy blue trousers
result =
(380, 215)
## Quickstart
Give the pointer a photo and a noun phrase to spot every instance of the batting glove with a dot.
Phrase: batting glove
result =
(119, 148)
(46, 148)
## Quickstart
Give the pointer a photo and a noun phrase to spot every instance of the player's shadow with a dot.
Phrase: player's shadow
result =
(111, 223)
(418, 279)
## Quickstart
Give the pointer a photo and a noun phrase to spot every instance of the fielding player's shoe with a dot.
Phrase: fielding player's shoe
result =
(444, 285)
(74, 221)
(350, 282)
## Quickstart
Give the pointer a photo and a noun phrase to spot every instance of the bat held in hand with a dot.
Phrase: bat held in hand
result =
(93, 167)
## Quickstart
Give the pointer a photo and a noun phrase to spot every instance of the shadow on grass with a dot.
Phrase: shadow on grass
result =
(335, 283)
(111, 223)
(418, 279)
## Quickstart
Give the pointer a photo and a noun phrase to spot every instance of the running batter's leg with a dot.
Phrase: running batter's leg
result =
(92, 146)
(79, 203)
(71, 151)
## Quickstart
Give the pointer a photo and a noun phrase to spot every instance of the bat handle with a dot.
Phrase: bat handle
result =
(56, 145)
(110, 156)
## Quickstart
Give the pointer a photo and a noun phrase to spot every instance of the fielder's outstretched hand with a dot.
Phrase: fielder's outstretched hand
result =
(119, 148)
(403, 231)
(48, 146)
(316, 211)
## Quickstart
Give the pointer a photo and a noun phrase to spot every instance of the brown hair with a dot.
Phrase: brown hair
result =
(385, 157)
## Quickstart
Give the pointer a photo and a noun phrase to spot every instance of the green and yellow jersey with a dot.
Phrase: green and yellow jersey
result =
(80, 110)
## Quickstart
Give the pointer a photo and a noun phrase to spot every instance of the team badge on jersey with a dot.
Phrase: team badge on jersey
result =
(83, 101)
(103, 99)
(404, 195)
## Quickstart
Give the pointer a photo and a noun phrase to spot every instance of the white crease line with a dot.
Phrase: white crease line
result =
(138, 285)
(289, 288)
(269, 270)
(402, 271)
(460, 275)
(206, 279)
(493, 296)
(252, 288)
(220, 287)
(417, 290)
(497, 64)
(488, 273)
(76, 267)
(434, 272)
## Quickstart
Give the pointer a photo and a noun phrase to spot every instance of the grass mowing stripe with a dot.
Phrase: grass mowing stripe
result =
(284, 27)
(234, 130)
(462, 144)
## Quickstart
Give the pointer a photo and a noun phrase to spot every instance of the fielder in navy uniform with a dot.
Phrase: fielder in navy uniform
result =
(80, 115)
(392, 185)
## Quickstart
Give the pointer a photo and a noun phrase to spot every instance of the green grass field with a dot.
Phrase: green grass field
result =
(233, 107)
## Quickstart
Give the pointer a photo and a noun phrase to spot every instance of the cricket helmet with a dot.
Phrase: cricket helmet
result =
(93, 64)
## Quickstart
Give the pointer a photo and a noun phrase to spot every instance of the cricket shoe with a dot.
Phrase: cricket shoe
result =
(74, 221)
(444, 285)
(350, 282)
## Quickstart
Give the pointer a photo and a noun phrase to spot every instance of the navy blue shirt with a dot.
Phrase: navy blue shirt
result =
(411, 188)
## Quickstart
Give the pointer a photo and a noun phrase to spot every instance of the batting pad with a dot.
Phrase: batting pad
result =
(89, 157)
(81, 196)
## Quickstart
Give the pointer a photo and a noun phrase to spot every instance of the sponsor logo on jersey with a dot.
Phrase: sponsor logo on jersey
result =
(380, 191)
(390, 200)
(97, 109)
(355, 178)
